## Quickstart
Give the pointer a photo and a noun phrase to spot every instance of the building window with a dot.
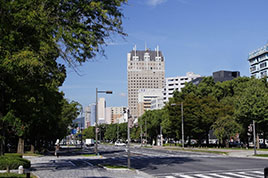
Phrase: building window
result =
(262, 65)
(253, 68)
(263, 74)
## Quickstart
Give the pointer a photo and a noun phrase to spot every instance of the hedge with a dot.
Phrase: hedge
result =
(13, 162)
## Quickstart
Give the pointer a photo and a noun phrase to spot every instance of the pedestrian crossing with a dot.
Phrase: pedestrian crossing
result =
(223, 174)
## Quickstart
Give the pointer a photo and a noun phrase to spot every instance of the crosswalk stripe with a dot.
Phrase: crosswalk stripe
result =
(170, 177)
(71, 163)
(202, 176)
(237, 175)
(258, 172)
(88, 163)
(251, 174)
(185, 176)
(217, 175)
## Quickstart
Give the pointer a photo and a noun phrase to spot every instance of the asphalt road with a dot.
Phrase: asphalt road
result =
(164, 163)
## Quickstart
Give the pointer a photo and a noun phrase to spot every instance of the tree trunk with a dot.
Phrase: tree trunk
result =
(2, 136)
(207, 138)
(20, 146)
(258, 141)
(32, 148)
(227, 143)
(2, 147)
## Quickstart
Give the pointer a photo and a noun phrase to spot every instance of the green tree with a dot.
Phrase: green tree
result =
(225, 128)
(89, 132)
(33, 35)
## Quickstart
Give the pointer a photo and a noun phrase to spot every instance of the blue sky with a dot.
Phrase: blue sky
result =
(200, 36)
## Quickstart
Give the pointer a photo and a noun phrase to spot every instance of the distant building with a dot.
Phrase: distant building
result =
(87, 112)
(177, 83)
(108, 115)
(145, 70)
(224, 75)
(219, 76)
(145, 97)
(258, 62)
(101, 111)
(157, 103)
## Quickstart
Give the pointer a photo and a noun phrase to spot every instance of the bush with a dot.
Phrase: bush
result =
(13, 154)
(13, 162)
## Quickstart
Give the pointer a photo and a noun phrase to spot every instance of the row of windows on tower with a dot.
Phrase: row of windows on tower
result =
(147, 64)
(146, 68)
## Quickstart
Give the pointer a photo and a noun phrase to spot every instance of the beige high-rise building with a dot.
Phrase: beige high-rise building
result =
(146, 69)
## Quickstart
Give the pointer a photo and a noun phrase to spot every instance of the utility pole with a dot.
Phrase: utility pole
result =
(117, 131)
(96, 115)
(128, 139)
(161, 136)
(146, 131)
(254, 137)
(96, 125)
(141, 134)
(182, 125)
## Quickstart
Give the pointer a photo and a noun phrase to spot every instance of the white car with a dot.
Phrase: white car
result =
(119, 144)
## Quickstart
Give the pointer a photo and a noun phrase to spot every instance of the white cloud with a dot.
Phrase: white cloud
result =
(156, 2)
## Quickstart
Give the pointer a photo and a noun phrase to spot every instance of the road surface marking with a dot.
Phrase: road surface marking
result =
(251, 174)
(202, 176)
(88, 163)
(185, 176)
(71, 163)
(170, 177)
(258, 172)
(237, 175)
(217, 175)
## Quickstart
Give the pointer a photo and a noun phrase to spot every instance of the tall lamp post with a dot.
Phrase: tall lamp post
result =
(182, 123)
(96, 114)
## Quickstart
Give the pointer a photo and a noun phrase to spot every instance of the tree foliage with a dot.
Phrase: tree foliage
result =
(33, 36)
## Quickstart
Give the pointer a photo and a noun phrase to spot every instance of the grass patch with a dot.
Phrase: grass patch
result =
(14, 175)
(88, 155)
(115, 166)
(31, 154)
(261, 155)
(202, 151)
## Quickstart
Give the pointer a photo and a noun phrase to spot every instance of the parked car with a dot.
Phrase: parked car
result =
(119, 143)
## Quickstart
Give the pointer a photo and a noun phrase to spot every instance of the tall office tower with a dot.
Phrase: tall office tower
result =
(146, 69)
(258, 62)
(177, 83)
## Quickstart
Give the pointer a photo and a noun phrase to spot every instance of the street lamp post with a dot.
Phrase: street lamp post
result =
(96, 114)
(182, 124)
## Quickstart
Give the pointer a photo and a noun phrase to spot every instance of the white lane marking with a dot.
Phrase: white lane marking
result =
(258, 172)
(71, 163)
(170, 177)
(88, 163)
(217, 175)
(251, 174)
(202, 176)
(185, 176)
(237, 175)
